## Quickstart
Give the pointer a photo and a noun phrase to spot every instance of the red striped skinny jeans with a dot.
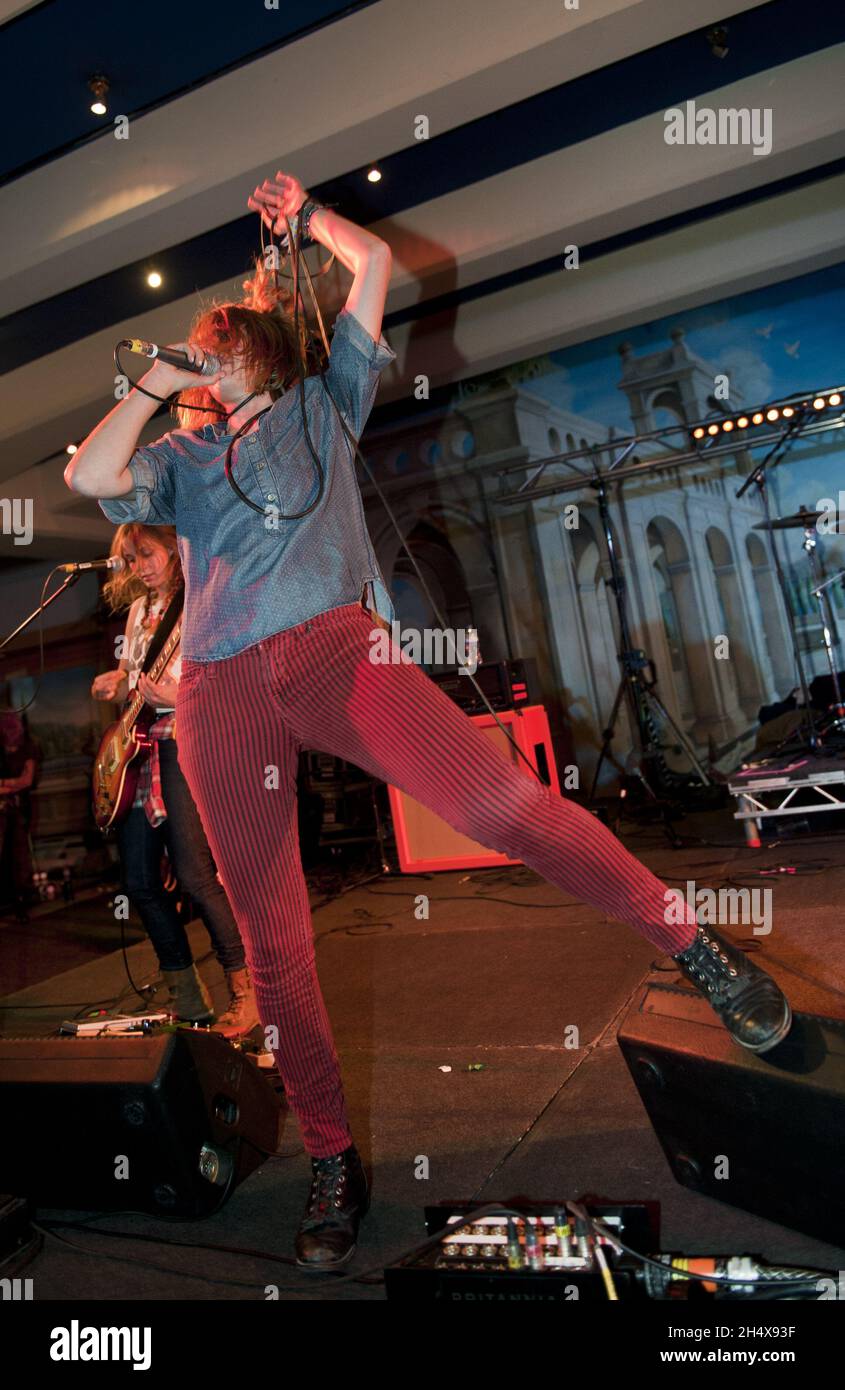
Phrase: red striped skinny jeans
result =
(314, 686)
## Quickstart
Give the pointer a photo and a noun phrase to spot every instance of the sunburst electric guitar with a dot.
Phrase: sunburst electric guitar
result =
(118, 763)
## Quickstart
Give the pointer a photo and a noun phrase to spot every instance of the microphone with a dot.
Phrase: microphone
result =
(173, 356)
(114, 562)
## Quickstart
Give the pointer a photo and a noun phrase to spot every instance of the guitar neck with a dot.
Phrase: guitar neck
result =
(136, 704)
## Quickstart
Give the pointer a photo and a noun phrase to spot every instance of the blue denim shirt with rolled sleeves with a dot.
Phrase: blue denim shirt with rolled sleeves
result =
(244, 580)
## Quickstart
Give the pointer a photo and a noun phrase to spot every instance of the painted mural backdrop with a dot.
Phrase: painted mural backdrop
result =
(771, 343)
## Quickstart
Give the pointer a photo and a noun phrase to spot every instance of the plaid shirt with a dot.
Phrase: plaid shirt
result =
(148, 793)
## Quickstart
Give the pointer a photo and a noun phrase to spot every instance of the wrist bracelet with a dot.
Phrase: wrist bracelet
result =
(309, 207)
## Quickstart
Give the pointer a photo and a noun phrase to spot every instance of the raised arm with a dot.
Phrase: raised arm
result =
(368, 257)
(99, 468)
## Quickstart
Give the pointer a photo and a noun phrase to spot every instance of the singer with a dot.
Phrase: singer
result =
(276, 645)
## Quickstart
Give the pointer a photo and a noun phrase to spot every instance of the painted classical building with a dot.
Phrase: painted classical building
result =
(533, 577)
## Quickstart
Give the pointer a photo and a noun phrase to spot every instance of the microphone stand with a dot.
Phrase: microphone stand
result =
(69, 581)
(822, 597)
(639, 689)
(758, 478)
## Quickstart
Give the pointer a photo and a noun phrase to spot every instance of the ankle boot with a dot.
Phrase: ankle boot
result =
(241, 1016)
(189, 998)
(751, 1006)
(339, 1197)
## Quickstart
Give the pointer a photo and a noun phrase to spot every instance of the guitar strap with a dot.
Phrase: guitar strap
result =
(169, 619)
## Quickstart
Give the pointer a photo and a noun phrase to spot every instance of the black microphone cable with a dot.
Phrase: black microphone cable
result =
(294, 245)
(208, 410)
(301, 374)
(165, 400)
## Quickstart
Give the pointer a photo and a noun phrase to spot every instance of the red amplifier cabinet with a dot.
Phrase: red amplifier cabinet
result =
(425, 842)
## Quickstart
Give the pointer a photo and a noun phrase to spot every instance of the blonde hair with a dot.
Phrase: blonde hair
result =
(122, 590)
(260, 326)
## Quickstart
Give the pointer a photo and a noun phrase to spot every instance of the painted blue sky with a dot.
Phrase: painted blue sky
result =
(771, 342)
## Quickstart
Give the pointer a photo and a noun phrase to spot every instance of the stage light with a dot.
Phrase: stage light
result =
(71, 448)
(99, 85)
(374, 175)
(154, 279)
(717, 39)
(773, 414)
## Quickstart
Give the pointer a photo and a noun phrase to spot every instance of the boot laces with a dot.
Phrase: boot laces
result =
(327, 1185)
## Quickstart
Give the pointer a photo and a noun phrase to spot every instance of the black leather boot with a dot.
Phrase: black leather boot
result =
(339, 1197)
(747, 1000)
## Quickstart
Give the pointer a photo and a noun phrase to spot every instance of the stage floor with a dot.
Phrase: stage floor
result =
(503, 965)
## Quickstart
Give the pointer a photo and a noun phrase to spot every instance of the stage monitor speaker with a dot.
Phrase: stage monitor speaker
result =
(425, 842)
(764, 1133)
(165, 1123)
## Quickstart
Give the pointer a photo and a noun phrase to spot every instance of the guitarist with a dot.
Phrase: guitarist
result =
(164, 811)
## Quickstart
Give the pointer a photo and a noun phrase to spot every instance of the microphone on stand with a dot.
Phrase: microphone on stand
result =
(173, 356)
(114, 562)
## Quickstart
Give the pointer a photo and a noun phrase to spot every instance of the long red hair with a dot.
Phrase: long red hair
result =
(120, 591)
(261, 327)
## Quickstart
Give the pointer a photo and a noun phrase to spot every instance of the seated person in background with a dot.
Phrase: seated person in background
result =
(19, 759)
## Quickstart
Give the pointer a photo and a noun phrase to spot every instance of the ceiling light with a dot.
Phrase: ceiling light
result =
(717, 39)
(99, 85)
(154, 279)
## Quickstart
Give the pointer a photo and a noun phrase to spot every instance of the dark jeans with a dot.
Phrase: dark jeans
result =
(140, 846)
(14, 836)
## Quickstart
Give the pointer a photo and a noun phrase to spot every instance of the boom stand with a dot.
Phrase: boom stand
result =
(640, 691)
(822, 597)
(757, 476)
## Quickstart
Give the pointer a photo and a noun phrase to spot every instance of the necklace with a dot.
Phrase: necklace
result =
(148, 618)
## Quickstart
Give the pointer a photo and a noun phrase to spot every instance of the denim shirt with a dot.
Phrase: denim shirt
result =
(244, 580)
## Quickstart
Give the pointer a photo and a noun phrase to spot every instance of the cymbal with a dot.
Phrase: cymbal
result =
(802, 518)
